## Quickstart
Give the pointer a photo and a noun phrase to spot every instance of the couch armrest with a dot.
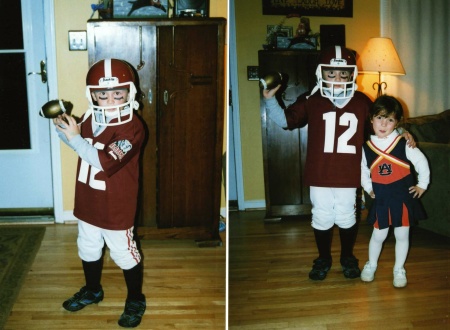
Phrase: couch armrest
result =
(436, 198)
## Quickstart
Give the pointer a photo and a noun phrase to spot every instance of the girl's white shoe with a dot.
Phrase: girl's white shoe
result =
(400, 280)
(368, 272)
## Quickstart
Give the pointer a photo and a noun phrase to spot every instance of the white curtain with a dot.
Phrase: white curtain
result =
(420, 31)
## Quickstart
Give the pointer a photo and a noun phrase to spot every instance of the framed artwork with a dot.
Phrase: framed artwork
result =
(278, 33)
(281, 31)
(336, 8)
(140, 9)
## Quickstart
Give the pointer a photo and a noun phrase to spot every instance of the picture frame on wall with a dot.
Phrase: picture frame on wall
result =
(281, 31)
(342, 8)
(140, 9)
(191, 8)
(278, 35)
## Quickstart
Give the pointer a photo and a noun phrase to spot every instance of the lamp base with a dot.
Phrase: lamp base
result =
(380, 85)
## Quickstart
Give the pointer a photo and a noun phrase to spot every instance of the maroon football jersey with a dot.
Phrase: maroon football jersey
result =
(108, 198)
(335, 139)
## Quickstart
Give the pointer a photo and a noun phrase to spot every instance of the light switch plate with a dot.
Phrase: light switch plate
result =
(77, 40)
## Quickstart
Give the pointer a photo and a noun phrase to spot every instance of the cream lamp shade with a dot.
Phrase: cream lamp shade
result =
(379, 56)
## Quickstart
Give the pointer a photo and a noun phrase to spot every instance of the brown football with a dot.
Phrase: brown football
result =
(54, 108)
(271, 80)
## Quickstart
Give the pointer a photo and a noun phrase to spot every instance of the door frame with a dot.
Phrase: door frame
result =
(50, 48)
(234, 122)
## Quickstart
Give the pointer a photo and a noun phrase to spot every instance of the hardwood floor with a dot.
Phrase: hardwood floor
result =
(268, 283)
(269, 286)
(184, 285)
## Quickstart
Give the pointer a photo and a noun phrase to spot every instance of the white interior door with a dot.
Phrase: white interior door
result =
(25, 142)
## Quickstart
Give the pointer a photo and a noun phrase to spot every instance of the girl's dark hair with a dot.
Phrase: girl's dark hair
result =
(386, 105)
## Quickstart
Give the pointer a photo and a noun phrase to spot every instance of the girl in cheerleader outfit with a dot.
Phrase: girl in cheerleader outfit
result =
(387, 175)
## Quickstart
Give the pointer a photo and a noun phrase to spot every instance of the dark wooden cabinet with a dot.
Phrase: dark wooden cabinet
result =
(180, 64)
(284, 151)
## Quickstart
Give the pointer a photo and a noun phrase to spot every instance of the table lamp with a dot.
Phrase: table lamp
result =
(380, 56)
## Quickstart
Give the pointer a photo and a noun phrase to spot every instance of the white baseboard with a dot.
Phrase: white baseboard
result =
(67, 217)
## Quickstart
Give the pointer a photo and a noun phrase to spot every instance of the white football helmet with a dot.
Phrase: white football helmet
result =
(110, 74)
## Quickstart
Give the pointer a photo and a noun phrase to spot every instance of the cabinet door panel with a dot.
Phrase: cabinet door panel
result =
(187, 125)
(116, 42)
(285, 151)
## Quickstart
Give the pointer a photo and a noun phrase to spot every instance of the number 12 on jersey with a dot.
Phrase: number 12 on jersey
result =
(346, 119)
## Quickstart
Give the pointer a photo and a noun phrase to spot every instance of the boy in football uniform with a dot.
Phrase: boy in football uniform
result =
(336, 119)
(109, 147)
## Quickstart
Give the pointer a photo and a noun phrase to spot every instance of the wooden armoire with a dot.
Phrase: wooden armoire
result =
(284, 151)
(180, 64)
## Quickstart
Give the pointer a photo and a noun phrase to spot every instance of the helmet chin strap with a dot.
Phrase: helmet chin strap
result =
(340, 102)
(114, 114)
(103, 115)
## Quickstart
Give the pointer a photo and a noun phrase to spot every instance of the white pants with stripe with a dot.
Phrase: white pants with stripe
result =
(122, 246)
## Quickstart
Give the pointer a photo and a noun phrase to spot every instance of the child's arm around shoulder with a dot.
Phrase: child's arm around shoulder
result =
(366, 181)
(420, 162)
(407, 136)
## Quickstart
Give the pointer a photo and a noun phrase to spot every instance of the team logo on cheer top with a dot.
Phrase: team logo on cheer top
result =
(385, 169)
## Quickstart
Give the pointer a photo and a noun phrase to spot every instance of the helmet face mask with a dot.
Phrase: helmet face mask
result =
(337, 82)
(336, 74)
(107, 76)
